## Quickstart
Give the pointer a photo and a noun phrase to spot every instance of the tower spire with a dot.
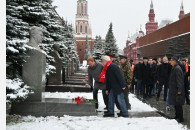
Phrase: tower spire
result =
(151, 25)
(181, 13)
(181, 7)
(151, 5)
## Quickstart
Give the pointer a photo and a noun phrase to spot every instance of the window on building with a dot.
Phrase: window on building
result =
(81, 29)
(86, 9)
(86, 29)
(80, 50)
(81, 8)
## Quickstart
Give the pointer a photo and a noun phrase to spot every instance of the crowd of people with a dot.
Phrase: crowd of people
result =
(146, 79)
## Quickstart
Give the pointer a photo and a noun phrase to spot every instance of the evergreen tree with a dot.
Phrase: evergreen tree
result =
(98, 48)
(111, 47)
(21, 16)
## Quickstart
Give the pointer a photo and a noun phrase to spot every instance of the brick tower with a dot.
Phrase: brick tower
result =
(151, 25)
(82, 28)
(181, 13)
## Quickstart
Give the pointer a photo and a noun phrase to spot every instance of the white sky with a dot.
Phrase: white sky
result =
(124, 14)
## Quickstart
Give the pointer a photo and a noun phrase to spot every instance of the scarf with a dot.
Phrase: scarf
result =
(103, 73)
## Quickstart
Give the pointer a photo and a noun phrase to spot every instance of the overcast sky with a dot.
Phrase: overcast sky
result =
(124, 14)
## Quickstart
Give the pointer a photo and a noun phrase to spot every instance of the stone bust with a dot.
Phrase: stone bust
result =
(36, 37)
(56, 48)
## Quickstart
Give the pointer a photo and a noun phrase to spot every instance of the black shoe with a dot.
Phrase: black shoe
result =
(175, 118)
(105, 108)
(105, 112)
(157, 99)
(108, 115)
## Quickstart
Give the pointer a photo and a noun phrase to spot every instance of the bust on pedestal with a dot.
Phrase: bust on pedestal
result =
(33, 71)
(56, 78)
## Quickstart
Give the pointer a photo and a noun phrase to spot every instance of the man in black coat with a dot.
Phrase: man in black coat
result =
(115, 86)
(176, 89)
(154, 73)
(151, 78)
(138, 74)
(146, 78)
(163, 76)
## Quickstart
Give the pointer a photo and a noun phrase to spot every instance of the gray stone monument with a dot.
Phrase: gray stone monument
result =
(34, 75)
(56, 78)
(33, 71)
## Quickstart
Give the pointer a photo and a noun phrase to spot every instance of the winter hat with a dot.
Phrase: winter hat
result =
(106, 58)
(155, 59)
(175, 58)
(122, 57)
(145, 58)
(110, 55)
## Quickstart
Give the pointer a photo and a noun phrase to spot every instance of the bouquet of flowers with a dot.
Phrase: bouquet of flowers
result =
(80, 100)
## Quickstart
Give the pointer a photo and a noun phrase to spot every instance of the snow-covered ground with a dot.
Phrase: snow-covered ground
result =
(96, 122)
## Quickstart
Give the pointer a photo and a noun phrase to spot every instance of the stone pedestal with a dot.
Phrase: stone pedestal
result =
(56, 78)
(53, 107)
(33, 73)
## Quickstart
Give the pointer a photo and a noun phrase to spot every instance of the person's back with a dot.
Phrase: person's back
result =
(138, 71)
(146, 72)
(93, 73)
(115, 79)
(163, 72)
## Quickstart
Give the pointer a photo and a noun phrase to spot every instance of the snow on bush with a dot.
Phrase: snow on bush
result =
(50, 69)
(16, 90)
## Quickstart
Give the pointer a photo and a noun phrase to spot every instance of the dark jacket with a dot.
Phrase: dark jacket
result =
(138, 72)
(151, 75)
(154, 72)
(164, 71)
(146, 73)
(115, 79)
(93, 73)
(176, 84)
(182, 67)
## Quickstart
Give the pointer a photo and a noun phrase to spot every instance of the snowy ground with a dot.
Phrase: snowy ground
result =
(96, 122)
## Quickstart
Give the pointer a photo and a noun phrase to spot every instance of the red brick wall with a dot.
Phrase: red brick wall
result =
(174, 29)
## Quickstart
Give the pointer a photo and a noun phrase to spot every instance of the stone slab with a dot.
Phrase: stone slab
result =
(74, 82)
(53, 107)
(67, 88)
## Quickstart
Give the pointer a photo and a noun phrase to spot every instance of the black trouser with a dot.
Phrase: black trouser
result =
(179, 112)
(105, 97)
(126, 96)
(145, 89)
(95, 97)
(165, 83)
(186, 84)
(151, 87)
